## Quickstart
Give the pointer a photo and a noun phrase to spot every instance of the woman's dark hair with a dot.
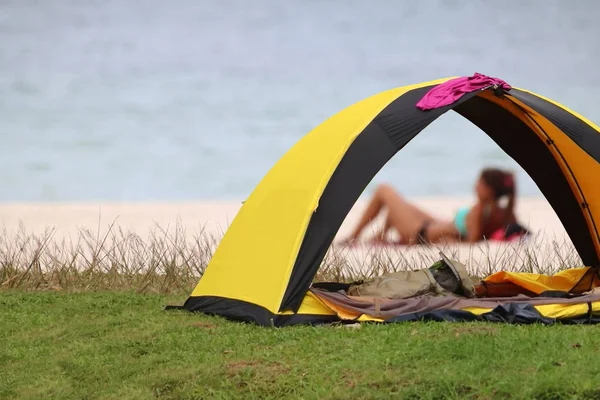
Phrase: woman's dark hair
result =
(502, 183)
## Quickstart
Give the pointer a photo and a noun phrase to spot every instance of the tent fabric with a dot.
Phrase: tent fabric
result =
(351, 307)
(566, 280)
(280, 208)
(267, 259)
(311, 311)
(575, 144)
(562, 170)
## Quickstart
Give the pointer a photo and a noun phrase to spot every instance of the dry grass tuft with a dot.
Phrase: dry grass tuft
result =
(165, 262)
(171, 261)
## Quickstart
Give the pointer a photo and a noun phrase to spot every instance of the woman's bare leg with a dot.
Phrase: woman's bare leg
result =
(370, 213)
(403, 216)
(380, 237)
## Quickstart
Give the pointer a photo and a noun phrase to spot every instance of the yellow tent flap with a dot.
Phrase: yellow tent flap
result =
(564, 280)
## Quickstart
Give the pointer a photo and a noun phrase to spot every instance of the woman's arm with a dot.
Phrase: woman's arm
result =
(474, 224)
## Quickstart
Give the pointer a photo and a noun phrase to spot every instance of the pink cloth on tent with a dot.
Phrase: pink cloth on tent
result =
(452, 90)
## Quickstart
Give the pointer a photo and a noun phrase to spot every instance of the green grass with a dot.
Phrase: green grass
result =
(111, 345)
(84, 319)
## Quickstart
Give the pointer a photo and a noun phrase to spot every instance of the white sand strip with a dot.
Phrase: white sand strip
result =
(143, 217)
(215, 217)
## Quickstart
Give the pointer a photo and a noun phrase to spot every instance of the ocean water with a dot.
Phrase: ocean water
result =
(130, 100)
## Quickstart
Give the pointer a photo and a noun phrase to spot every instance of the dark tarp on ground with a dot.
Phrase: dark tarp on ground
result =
(512, 313)
(506, 309)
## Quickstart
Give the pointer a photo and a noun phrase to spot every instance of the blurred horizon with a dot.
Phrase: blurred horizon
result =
(152, 101)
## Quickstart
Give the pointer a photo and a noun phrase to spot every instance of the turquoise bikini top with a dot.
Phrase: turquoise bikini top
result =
(460, 220)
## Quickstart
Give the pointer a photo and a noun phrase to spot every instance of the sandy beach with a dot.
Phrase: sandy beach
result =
(213, 218)
(141, 218)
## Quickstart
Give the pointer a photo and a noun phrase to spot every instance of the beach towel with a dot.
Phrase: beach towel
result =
(510, 232)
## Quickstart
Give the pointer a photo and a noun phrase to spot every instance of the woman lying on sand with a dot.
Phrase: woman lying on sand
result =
(486, 219)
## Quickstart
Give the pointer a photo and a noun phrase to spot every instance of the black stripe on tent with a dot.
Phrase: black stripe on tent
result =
(516, 139)
(241, 311)
(389, 131)
(579, 131)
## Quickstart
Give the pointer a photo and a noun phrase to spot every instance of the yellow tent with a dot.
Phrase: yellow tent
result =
(263, 268)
